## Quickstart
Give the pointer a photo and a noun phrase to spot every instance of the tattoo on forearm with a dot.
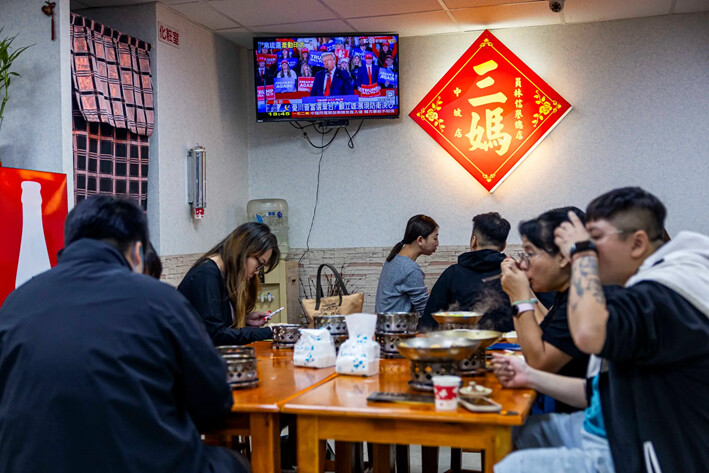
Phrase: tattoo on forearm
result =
(585, 279)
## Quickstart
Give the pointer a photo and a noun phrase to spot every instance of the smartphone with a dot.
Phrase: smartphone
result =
(268, 317)
(400, 397)
(480, 404)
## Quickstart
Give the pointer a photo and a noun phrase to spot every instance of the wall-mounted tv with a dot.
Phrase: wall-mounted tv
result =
(321, 78)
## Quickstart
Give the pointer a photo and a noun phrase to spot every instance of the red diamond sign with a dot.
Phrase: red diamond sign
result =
(489, 111)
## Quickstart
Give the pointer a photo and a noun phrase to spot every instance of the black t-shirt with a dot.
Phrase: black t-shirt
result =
(555, 331)
(657, 395)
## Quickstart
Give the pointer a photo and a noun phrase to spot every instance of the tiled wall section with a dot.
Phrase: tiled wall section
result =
(360, 267)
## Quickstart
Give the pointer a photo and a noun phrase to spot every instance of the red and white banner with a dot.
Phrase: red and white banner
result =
(369, 90)
(305, 84)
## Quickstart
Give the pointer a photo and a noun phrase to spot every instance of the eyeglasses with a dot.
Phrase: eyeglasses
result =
(260, 266)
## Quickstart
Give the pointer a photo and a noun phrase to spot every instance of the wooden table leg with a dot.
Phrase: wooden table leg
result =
(383, 461)
(502, 445)
(311, 450)
(265, 434)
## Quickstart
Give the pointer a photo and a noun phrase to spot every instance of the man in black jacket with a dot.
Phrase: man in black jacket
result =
(654, 332)
(104, 369)
(461, 285)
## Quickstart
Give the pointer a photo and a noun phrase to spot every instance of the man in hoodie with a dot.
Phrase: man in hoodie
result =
(654, 333)
(461, 285)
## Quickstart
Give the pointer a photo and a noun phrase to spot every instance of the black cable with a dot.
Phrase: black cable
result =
(317, 196)
(350, 143)
(322, 135)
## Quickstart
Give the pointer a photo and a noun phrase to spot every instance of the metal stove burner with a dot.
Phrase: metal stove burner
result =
(240, 369)
(474, 365)
(422, 372)
(245, 384)
(389, 341)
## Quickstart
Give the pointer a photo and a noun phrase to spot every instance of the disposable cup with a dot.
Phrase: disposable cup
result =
(445, 389)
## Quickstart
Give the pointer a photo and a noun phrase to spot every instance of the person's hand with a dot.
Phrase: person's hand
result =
(569, 233)
(514, 281)
(512, 371)
(256, 319)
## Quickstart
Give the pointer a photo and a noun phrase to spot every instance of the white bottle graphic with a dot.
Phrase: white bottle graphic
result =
(34, 257)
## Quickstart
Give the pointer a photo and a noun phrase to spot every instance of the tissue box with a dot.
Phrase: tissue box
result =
(314, 349)
(358, 356)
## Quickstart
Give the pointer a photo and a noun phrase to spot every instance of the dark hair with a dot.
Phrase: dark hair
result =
(119, 222)
(540, 231)
(152, 266)
(491, 229)
(637, 207)
(418, 226)
(248, 239)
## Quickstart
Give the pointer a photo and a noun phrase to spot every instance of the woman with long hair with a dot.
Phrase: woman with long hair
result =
(401, 287)
(306, 71)
(223, 284)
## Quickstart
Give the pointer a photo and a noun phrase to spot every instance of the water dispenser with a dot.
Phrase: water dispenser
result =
(274, 213)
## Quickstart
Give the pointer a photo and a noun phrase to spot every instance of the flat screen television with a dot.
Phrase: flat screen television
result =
(326, 78)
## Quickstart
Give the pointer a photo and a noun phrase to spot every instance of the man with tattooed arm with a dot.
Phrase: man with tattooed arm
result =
(654, 333)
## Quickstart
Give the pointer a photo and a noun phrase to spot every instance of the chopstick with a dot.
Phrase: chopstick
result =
(492, 278)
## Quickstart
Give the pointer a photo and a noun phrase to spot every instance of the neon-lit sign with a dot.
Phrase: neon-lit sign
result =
(489, 111)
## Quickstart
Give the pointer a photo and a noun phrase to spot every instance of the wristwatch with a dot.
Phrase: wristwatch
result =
(579, 246)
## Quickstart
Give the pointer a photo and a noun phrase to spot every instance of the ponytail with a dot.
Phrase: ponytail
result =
(395, 251)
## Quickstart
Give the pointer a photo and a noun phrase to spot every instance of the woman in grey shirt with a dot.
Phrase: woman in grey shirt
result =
(401, 287)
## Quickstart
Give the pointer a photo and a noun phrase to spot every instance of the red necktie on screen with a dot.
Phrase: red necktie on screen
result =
(369, 71)
(327, 84)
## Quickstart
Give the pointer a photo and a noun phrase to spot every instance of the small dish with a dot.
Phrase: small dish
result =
(474, 391)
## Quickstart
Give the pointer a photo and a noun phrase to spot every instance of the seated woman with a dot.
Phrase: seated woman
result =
(222, 285)
(401, 287)
(543, 335)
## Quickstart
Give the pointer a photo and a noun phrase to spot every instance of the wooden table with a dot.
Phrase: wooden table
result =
(256, 411)
(338, 409)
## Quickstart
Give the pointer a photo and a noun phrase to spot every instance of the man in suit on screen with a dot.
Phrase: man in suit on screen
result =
(331, 80)
(367, 74)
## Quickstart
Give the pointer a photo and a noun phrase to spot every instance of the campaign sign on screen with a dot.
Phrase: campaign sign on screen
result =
(260, 94)
(315, 59)
(342, 54)
(358, 52)
(283, 84)
(305, 84)
(270, 59)
(369, 90)
(270, 94)
(328, 46)
(386, 75)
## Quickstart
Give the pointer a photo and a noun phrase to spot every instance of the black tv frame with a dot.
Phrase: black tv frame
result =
(326, 122)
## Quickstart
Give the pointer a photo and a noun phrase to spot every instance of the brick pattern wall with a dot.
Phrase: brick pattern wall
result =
(360, 267)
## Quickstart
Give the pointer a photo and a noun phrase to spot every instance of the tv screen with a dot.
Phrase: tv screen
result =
(342, 76)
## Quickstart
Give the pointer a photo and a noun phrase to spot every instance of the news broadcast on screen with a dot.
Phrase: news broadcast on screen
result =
(318, 78)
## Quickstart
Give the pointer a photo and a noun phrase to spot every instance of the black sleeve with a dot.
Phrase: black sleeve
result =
(438, 300)
(204, 288)
(202, 385)
(652, 325)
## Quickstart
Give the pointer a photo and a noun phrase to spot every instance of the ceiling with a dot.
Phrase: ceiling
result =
(239, 20)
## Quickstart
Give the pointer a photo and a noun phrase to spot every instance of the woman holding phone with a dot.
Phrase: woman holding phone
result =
(401, 287)
(222, 285)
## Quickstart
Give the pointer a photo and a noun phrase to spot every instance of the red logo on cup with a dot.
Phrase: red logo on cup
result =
(446, 393)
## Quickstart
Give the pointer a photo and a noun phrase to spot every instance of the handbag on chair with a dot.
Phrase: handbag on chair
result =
(342, 304)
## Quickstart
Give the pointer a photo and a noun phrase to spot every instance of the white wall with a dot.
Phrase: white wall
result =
(36, 132)
(199, 98)
(200, 89)
(638, 89)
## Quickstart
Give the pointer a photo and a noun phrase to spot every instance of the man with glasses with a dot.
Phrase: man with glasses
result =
(654, 333)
